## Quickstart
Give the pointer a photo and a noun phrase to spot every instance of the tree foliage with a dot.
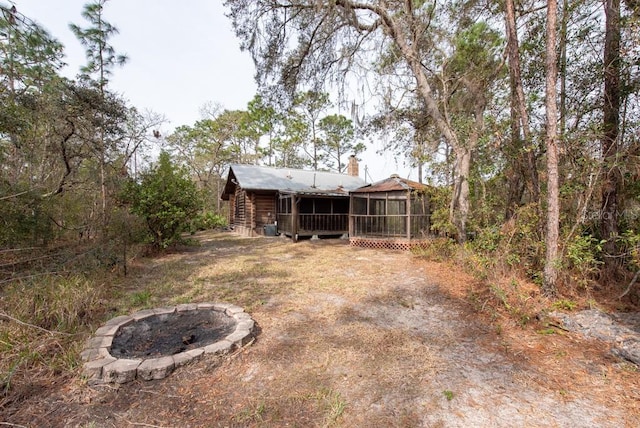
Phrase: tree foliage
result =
(460, 88)
(166, 198)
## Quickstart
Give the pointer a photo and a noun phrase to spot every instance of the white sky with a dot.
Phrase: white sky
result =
(182, 54)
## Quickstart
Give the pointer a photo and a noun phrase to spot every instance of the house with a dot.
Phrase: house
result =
(265, 200)
(392, 213)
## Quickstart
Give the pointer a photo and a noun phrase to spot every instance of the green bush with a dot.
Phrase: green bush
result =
(208, 220)
(166, 198)
(437, 249)
(583, 252)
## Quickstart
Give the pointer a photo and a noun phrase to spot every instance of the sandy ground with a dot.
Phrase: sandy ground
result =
(352, 337)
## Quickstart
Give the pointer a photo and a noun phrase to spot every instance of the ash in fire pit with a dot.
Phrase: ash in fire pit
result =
(151, 343)
(170, 334)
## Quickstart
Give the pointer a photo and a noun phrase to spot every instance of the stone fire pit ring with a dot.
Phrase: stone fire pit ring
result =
(101, 366)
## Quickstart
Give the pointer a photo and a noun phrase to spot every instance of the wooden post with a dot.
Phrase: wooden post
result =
(350, 217)
(408, 209)
(294, 218)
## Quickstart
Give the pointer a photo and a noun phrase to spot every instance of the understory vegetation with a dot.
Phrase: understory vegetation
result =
(91, 190)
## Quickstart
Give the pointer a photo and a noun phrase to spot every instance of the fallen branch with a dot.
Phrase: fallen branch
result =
(633, 281)
(240, 350)
(12, 425)
(6, 317)
(558, 326)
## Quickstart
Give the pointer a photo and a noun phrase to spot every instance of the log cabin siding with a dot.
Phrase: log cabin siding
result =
(264, 212)
(240, 208)
(250, 211)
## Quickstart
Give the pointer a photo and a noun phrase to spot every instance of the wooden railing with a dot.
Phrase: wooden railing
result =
(313, 224)
(338, 223)
(390, 225)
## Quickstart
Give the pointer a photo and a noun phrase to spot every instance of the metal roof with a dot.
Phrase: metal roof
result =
(254, 177)
(393, 183)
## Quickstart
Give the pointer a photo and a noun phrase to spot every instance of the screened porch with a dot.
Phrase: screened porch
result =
(392, 214)
(308, 215)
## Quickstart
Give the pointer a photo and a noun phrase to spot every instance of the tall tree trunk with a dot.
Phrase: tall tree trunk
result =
(553, 203)
(460, 198)
(459, 208)
(611, 117)
(525, 156)
(563, 65)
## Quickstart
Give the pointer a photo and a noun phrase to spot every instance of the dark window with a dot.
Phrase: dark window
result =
(323, 206)
(306, 206)
(341, 206)
(359, 206)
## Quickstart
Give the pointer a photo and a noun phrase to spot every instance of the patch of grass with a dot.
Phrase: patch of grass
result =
(332, 404)
(252, 413)
(448, 394)
(141, 299)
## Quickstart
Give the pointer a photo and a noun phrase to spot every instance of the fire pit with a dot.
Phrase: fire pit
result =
(151, 343)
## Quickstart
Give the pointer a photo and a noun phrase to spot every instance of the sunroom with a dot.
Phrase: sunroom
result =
(391, 213)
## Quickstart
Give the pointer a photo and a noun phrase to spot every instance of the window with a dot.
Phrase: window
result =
(377, 207)
(306, 206)
(359, 206)
(396, 207)
(323, 206)
(284, 205)
(341, 206)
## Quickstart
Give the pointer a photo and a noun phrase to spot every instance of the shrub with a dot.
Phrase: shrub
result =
(166, 198)
(437, 249)
(583, 253)
(208, 220)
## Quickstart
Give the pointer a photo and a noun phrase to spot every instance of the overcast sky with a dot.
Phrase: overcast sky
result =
(182, 54)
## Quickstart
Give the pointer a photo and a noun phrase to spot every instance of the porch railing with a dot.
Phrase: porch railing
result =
(390, 225)
(313, 224)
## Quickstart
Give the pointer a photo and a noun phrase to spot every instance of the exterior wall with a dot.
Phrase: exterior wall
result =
(239, 208)
(264, 211)
(249, 212)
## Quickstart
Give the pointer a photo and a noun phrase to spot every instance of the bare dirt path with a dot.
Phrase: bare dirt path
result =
(351, 337)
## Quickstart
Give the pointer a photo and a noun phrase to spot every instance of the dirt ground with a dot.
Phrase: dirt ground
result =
(349, 337)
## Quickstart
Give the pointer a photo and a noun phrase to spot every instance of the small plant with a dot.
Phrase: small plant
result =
(141, 298)
(251, 413)
(448, 394)
(333, 404)
(564, 304)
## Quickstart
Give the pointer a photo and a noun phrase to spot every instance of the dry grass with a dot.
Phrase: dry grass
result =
(348, 337)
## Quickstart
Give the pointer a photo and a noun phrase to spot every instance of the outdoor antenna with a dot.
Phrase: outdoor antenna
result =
(366, 174)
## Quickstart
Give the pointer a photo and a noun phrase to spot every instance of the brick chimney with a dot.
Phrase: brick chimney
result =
(353, 168)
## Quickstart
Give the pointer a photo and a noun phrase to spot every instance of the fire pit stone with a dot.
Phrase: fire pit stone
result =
(105, 361)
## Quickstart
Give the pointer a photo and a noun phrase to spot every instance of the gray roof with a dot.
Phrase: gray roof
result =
(253, 177)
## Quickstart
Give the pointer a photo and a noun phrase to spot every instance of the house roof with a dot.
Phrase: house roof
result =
(393, 183)
(287, 180)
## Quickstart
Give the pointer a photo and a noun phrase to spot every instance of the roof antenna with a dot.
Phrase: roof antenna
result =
(366, 174)
(314, 180)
